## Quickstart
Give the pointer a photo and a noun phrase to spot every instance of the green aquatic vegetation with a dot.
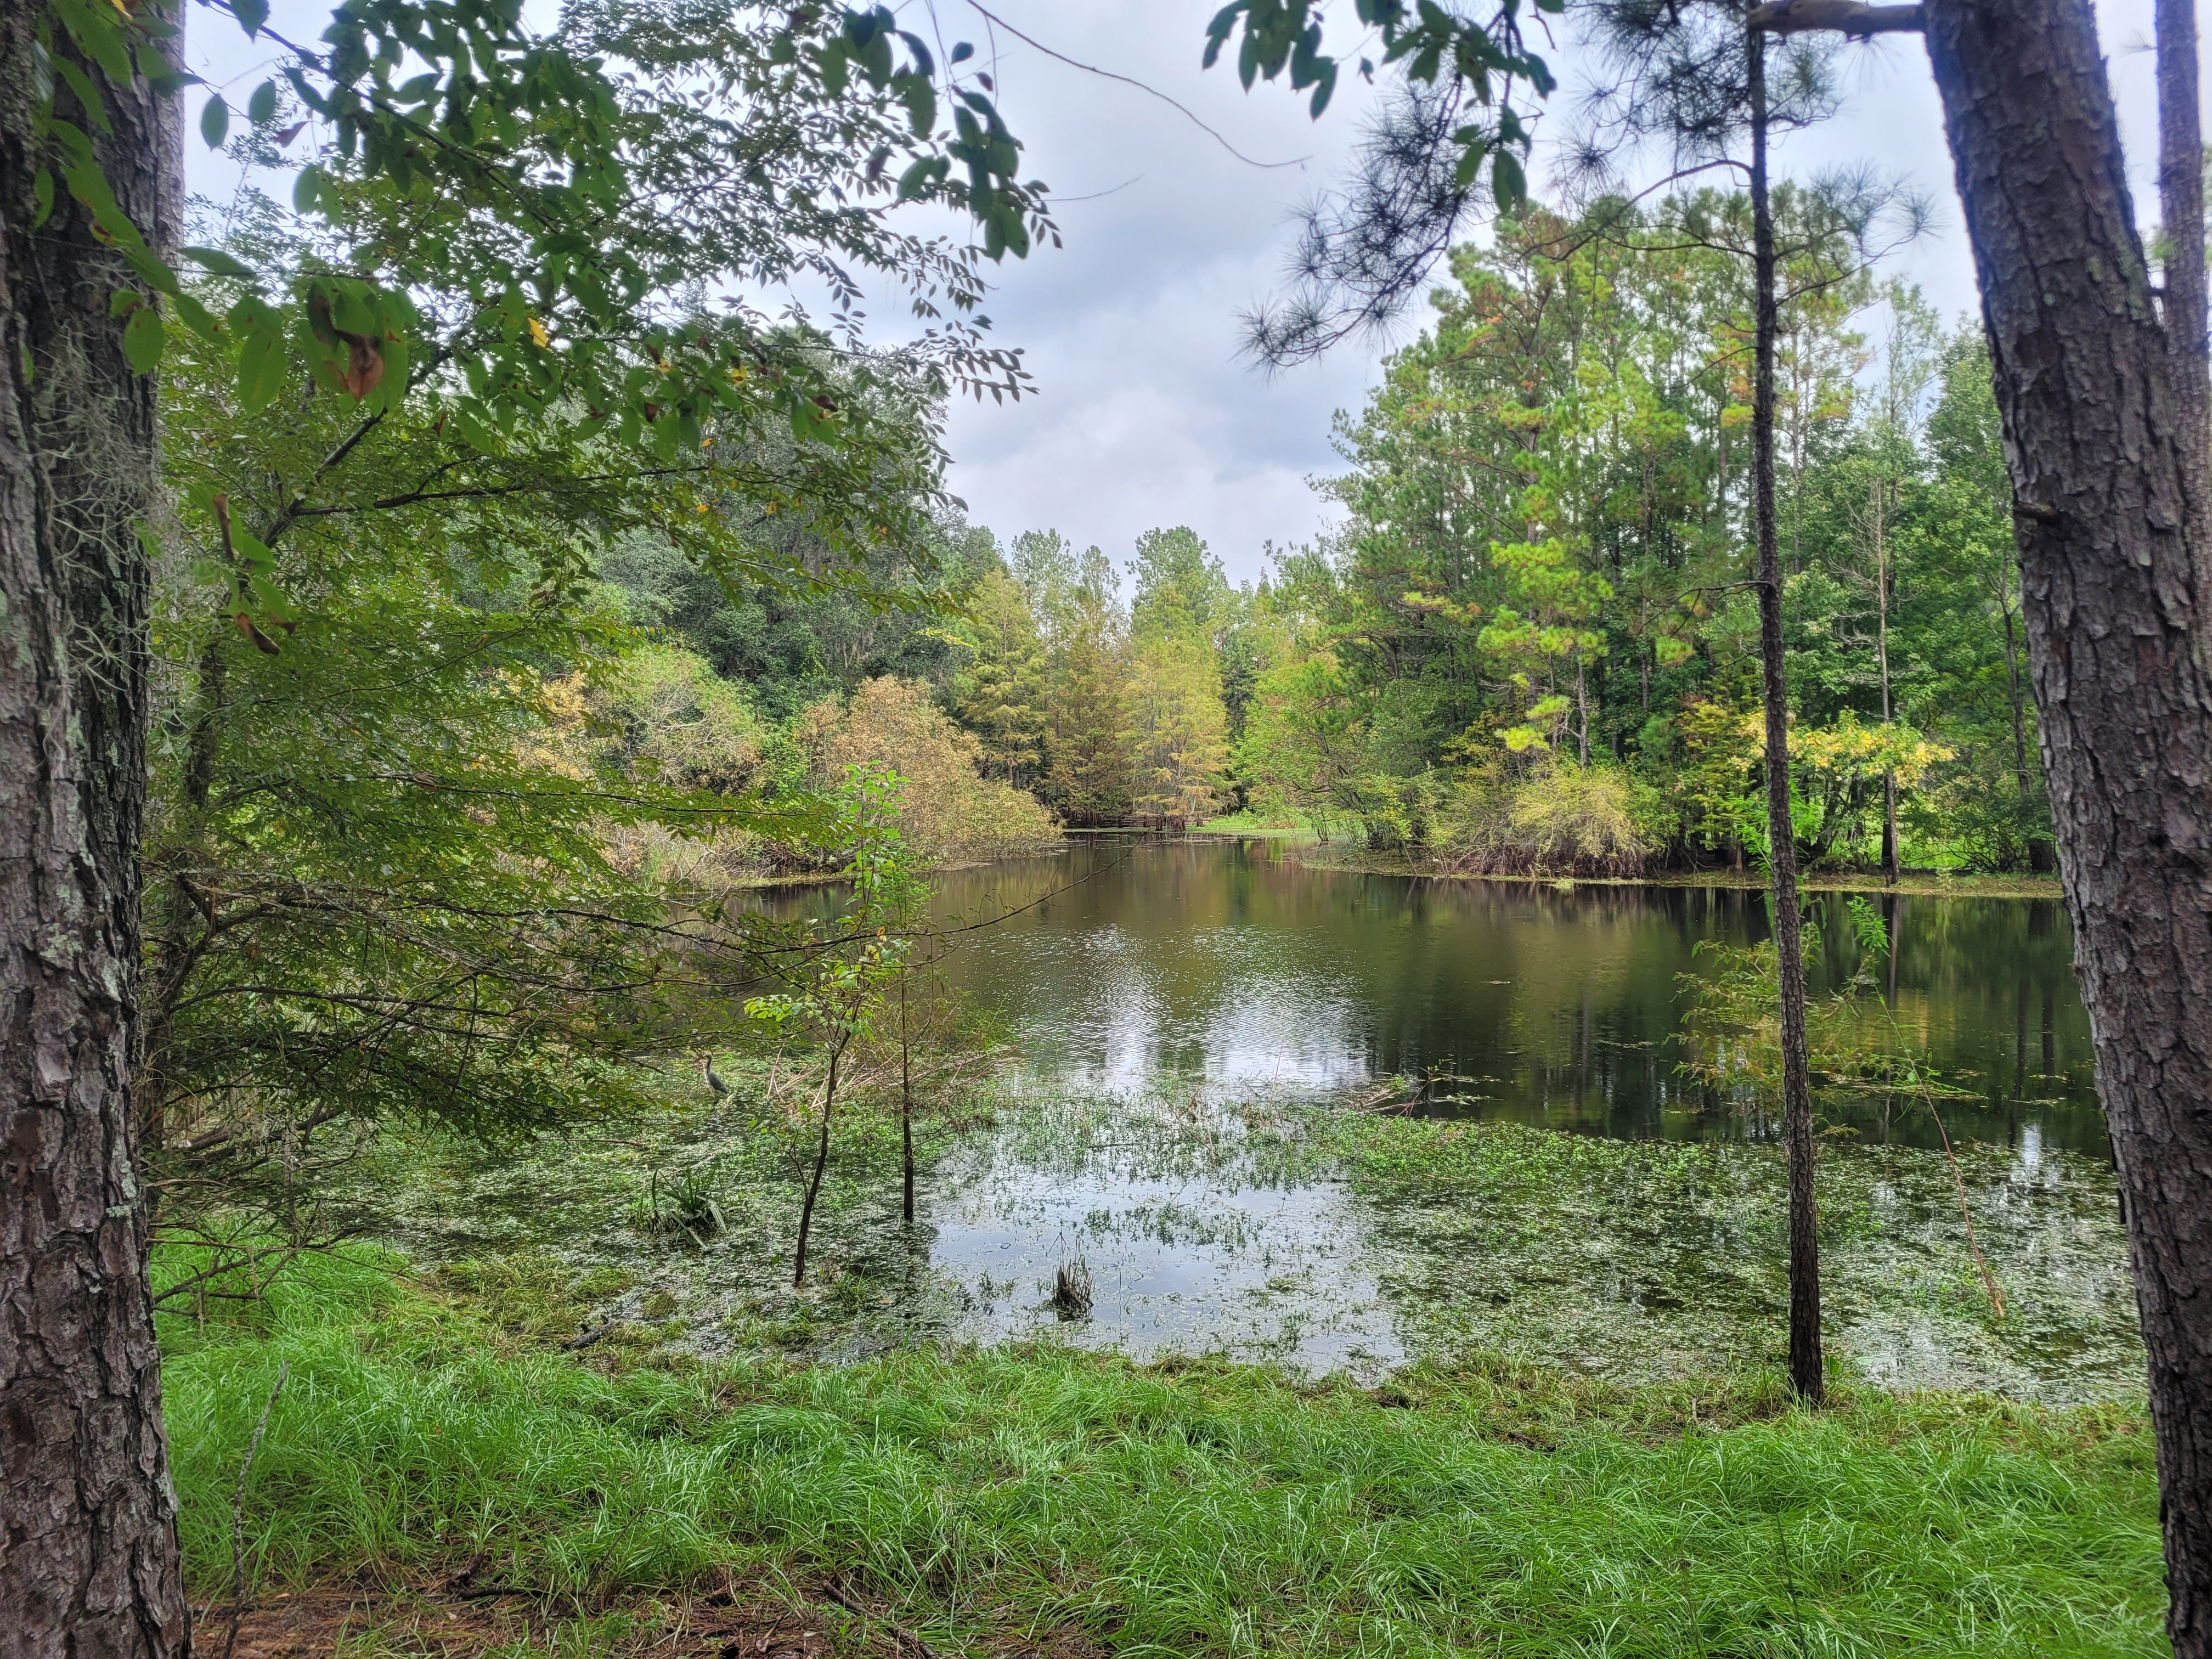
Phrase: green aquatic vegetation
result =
(1187, 1508)
(1653, 1256)
(1854, 1039)
(1306, 1235)
(681, 1200)
(577, 1230)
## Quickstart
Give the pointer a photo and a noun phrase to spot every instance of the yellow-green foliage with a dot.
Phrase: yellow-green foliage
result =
(670, 716)
(1561, 819)
(946, 808)
(1178, 730)
(663, 716)
(1001, 691)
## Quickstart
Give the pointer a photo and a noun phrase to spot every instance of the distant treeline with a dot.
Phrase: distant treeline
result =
(1532, 644)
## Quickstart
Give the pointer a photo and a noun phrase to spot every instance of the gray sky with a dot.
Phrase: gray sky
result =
(1145, 415)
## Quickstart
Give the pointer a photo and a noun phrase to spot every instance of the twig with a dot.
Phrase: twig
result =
(899, 1632)
(238, 1513)
(1989, 1278)
(1140, 86)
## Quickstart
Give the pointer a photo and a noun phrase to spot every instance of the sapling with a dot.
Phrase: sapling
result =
(838, 984)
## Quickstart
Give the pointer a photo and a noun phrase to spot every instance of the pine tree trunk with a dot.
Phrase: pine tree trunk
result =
(2098, 445)
(89, 1517)
(2181, 208)
(1806, 1374)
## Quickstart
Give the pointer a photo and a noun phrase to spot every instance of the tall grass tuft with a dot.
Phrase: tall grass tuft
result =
(1186, 1508)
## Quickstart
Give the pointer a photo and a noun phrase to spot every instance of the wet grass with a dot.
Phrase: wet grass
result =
(1180, 1509)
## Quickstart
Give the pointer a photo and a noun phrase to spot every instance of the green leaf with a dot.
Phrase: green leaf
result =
(251, 14)
(251, 548)
(261, 107)
(123, 301)
(73, 144)
(159, 73)
(307, 189)
(217, 263)
(95, 28)
(1507, 182)
(833, 68)
(152, 269)
(1324, 89)
(875, 58)
(920, 105)
(916, 179)
(196, 317)
(80, 84)
(262, 367)
(42, 196)
(269, 599)
(215, 123)
(144, 337)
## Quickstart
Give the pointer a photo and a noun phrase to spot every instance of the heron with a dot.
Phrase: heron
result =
(714, 1078)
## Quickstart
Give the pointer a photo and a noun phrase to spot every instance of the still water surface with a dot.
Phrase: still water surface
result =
(1197, 1026)
(1228, 963)
(1166, 996)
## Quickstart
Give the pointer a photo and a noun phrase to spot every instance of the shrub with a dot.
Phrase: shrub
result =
(947, 809)
(665, 716)
(1564, 819)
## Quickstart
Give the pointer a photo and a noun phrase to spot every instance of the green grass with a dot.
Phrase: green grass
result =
(1250, 824)
(1180, 1509)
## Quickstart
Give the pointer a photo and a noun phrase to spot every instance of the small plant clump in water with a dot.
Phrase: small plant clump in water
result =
(681, 1203)
(1072, 1292)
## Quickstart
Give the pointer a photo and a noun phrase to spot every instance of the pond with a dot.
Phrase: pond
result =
(1335, 1120)
(1232, 963)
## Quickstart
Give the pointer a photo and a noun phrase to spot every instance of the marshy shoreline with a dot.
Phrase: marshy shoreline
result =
(556, 1426)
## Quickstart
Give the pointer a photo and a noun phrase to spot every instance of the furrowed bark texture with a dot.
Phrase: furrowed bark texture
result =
(88, 1518)
(2181, 209)
(2094, 440)
(1805, 1371)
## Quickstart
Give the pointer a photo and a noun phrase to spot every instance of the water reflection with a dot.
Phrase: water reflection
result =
(1228, 963)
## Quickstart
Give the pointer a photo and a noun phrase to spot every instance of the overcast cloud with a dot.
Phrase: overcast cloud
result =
(1145, 413)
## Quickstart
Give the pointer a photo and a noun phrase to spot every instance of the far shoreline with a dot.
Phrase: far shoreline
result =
(1306, 848)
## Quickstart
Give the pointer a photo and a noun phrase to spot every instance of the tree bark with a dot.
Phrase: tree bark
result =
(1806, 1370)
(905, 1111)
(87, 1513)
(2099, 452)
(2181, 209)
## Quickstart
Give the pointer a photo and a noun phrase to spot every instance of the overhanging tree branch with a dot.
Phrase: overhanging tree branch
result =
(1839, 17)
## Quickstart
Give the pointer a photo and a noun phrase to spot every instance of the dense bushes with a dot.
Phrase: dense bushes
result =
(1560, 819)
(946, 808)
